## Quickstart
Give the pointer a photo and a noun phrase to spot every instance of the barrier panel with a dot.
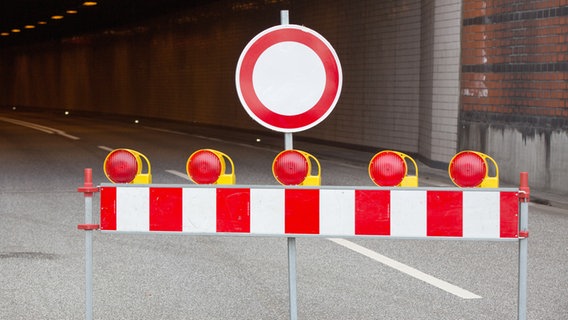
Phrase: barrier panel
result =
(305, 211)
(280, 211)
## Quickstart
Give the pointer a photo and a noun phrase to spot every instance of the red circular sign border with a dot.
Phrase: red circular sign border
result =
(249, 58)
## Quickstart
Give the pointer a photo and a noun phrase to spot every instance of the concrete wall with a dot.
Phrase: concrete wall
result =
(439, 79)
(542, 154)
(378, 43)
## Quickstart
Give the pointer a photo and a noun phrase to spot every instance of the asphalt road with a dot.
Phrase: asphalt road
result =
(191, 277)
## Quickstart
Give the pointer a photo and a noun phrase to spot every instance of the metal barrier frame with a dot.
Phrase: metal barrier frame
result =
(89, 226)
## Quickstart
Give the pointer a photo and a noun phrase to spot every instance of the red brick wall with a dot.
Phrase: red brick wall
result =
(515, 62)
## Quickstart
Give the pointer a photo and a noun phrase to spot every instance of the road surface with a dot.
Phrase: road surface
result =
(42, 158)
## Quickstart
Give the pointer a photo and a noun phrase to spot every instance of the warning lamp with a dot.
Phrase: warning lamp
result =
(474, 169)
(208, 166)
(390, 169)
(125, 166)
(294, 168)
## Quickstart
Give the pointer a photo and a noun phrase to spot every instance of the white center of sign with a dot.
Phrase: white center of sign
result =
(289, 78)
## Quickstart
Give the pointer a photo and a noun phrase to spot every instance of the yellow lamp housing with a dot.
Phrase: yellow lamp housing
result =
(208, 166)
(473, 169)
(126, 166)
(389, 168)
(294, 167)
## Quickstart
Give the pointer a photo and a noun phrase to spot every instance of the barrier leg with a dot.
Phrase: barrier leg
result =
(523, 253)
(88, 227)
(88, 267)
(292, 278)
(524, 196)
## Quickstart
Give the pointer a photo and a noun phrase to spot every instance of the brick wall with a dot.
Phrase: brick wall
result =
(514, 87)
(514, 57)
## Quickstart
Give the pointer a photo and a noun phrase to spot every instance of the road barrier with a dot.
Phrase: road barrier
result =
(280, 211)
(304, 211)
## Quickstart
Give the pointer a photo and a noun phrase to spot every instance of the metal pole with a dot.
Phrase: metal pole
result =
(88, 259)
(292, 284)
(284, 17)
(524, 194)
(288, 141)
(88, 227)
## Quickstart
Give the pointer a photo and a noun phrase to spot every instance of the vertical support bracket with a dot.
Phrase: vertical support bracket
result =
(524, 196)
(87, 189)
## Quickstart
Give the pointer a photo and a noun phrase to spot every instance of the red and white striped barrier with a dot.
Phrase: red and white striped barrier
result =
(322, 211)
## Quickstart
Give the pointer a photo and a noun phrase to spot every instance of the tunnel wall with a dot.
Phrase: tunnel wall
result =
(182, 67)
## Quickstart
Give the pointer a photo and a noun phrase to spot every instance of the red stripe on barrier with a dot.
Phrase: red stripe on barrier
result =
(166, 209)
(108, 208)
(301, 210)
(372, 212)
(509, 212)
(444, 214)
(233, 210)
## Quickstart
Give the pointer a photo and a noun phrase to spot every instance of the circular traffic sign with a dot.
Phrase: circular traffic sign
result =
(288, 78)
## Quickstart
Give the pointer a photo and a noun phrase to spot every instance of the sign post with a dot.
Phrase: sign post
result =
(292, 282)
(289, 79)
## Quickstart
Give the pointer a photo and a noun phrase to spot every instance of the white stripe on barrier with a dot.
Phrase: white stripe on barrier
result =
(199, 210)
(336, 212)
(267, 211)
(408, 213)
(134, 207)
(480, 221)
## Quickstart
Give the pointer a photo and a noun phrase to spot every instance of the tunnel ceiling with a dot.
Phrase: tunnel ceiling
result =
(35, 18)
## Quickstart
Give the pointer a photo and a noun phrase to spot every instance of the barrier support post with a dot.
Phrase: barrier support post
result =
(292, 283)
(524, 198)
(87, 189)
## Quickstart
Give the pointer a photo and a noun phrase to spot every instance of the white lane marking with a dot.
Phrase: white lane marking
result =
(105, 148)
(66, 135)
(207, 138)
(27, 124)
(39, 128)
(166, 130)
(178, 174)
(441, 284)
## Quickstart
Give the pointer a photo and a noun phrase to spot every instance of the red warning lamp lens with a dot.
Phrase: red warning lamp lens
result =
(290, 168)
(204, 167)
(468, 169)
(121, 166)
(387, 169)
